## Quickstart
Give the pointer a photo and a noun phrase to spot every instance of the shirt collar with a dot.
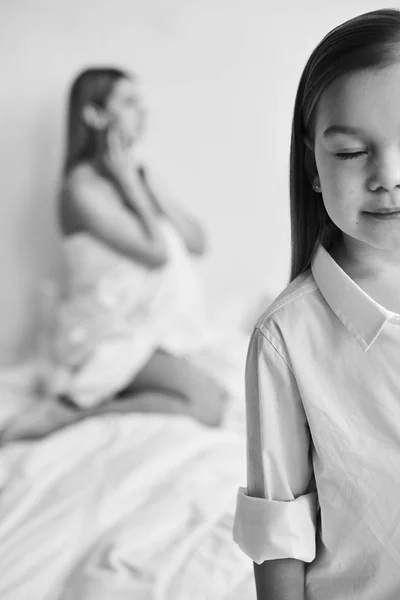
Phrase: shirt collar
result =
(362, 316)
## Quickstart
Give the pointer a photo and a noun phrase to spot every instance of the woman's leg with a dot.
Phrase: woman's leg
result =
(52, 415)
(173, 384)
(146, 401)
(167, 384)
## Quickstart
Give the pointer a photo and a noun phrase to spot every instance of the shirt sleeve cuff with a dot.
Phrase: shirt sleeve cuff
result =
(268, 530)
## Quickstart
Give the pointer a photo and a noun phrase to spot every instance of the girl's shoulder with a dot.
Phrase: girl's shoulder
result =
(297, 302)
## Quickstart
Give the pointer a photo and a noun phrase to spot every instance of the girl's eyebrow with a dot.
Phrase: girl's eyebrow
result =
(343, 129)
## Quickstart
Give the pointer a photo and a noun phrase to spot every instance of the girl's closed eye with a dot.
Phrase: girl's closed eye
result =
(350, 155)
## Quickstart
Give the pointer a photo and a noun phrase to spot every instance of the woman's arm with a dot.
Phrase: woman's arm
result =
(136, 237)
(188, 226)
(134, 197)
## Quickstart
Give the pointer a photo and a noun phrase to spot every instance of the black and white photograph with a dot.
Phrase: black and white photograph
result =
(199, 300)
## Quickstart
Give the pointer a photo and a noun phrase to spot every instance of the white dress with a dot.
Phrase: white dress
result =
(117, 313)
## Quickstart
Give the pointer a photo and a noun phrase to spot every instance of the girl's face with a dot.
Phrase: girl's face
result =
(124, 111)
(357, 154)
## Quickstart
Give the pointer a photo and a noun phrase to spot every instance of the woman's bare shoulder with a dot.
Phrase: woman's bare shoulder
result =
(80, 177)
(79, 189)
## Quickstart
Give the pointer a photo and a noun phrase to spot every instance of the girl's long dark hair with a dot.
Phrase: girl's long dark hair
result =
(371, 40)
(91, 86)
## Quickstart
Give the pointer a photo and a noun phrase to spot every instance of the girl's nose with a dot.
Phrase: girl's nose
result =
(386, 175)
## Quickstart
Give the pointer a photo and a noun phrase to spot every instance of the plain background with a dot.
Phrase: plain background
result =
(218, 78)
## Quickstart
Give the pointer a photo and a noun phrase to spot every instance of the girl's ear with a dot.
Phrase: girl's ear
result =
(94, 117)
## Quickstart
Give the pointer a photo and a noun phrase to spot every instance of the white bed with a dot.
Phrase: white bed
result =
(125, 506)
(122, 506)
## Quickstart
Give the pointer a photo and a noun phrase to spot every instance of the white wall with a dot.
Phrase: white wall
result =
(218, 78)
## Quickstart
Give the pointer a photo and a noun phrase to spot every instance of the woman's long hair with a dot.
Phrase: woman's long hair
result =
(92, 86)
(371, 40)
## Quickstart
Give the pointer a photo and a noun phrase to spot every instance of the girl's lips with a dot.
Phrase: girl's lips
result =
(385, 214)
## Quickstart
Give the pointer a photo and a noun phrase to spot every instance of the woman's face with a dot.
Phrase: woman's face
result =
(124, 110)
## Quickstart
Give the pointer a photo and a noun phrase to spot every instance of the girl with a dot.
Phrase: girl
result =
(132, 314)
(320, 516)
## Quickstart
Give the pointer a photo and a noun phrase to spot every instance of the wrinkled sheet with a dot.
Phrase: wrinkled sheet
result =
(123, 506)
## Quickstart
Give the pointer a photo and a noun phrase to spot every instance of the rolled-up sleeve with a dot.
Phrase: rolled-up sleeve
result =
(276, 514)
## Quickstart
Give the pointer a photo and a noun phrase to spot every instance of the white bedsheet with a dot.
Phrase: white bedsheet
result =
(123, 506)
(136, 506)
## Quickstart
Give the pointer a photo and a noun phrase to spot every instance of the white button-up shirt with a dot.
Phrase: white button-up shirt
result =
(323, 429)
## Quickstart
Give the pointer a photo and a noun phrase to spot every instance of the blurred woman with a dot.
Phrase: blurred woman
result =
(133, 317)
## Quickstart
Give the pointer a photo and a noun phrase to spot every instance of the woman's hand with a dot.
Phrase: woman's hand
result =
(116, 160)
(118, 164)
